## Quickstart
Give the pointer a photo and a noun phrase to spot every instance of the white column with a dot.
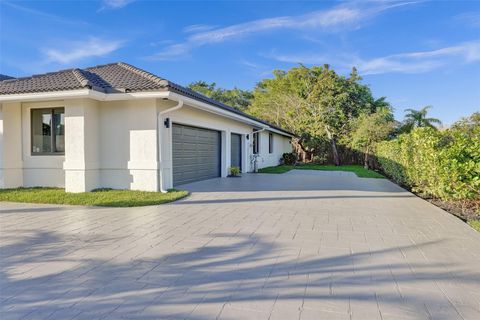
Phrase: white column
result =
(228, 152)
(248, 153)
(81, 146)
(165, 163)
(11, 163)
(245, 155)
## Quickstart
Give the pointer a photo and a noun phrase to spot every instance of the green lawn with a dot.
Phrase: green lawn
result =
(475, 224)
(358, 170)
(105, 198)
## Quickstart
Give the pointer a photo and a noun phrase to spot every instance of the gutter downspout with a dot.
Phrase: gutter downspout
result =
(159, 142)
(255, 156)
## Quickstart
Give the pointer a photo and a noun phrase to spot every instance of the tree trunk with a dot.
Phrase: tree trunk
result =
(336, 158)
(300, 150)
(365, 159)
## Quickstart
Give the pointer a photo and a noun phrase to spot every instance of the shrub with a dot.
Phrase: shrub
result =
(289, 158)
(320, 159)
(234, 171)
(442, 164)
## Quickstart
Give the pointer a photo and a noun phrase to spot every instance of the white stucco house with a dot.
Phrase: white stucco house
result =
(117, 126)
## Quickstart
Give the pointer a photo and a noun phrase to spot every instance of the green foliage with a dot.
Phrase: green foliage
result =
(314, 102)
(234, 171)
(468, 124)
(475, 224)
(289, 158)
(237, 98)
(443, 164)
(102, 197)
(418, 119)
(320, 159)
(370, 129)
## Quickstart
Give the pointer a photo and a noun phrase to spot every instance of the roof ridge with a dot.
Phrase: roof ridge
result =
(145, 74)
(84, 82)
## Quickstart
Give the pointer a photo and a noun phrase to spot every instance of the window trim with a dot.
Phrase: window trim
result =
(52, 133)
(270, 142)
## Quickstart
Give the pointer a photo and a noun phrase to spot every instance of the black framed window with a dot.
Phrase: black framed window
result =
(256, 142)
(48, 131)
(270, 143)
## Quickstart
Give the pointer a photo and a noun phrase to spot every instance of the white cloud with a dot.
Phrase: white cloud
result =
(172, 52)
(412, 62)
(78, 50)
(469, 18)
(116, 4)
(45, 15)
(302, 58)
(197, 28)
(423, 61)
(344, 16)
(330, 18)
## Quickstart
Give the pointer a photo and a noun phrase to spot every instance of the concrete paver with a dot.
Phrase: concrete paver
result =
(300, 245)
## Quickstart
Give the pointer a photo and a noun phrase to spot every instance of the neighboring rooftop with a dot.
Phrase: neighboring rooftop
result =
(116, 77)
(5, 77)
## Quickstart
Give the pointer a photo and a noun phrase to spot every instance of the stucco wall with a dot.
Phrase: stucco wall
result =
(128, 144)
(114, 144)
(281, 145)
(11, 173)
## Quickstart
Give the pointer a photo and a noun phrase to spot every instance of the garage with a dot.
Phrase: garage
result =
(195, 154)
(236, 150)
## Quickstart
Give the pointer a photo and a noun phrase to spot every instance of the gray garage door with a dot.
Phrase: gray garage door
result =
(195, 154)
(236, 150)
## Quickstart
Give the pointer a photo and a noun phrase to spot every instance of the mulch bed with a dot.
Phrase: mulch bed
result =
(465, 210)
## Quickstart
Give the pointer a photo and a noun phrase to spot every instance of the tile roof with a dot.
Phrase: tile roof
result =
(109, 78)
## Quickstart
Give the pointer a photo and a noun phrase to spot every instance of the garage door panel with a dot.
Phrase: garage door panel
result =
(195, 154)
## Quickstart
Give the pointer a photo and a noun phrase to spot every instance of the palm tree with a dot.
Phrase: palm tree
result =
(418, 118)
(381, 103)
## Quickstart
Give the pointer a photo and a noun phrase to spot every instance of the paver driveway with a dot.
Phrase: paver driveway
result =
(305, 244)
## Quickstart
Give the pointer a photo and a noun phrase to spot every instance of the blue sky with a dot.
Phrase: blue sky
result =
(415, 53)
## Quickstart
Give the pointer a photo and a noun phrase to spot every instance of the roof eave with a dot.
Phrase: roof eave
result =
(101, 96)
(81, 93)
(227, 113)
(42, 96)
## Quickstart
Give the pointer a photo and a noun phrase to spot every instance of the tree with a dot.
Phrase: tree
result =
(313, 102)
(468, 124)
(381, 103)
(236, 98)
(370, 129)
(418, 119)
(334, 102)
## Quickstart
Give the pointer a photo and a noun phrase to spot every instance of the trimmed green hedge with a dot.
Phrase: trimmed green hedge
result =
(443, 164)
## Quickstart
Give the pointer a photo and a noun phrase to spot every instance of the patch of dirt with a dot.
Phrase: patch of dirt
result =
(465, 210)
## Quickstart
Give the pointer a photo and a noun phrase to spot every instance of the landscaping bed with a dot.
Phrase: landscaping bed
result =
(103, 197)
(358, 170)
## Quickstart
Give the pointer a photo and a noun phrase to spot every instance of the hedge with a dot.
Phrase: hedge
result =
(443, 164)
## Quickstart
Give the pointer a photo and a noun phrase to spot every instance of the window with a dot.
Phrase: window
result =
(270, 143)
(256, 143)
(48, 131)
